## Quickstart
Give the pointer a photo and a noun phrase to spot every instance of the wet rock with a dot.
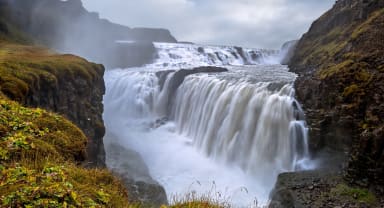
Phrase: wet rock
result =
(131, 168)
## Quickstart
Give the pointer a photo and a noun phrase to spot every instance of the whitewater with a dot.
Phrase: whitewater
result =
(226, 134)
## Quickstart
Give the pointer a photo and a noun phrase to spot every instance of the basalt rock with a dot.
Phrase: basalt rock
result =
(341, 84)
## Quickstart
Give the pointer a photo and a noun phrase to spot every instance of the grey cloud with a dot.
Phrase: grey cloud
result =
(249, 23)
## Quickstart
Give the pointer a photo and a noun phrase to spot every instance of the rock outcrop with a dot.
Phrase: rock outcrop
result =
(67, 26)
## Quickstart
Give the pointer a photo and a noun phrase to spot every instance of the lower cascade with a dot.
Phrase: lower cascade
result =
(215, 133)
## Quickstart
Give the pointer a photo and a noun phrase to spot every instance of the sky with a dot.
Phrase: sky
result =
(247, 23)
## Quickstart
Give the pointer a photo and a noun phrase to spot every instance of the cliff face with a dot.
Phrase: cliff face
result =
(340, 62)
(68, 27)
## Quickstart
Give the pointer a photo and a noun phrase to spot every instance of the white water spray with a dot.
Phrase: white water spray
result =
(233, 134)
(178, 55)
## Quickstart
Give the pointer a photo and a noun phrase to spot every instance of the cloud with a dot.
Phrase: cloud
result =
(249, 23)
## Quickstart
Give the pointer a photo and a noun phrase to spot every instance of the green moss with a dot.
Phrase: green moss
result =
(38, 155)
(354, 194)
(364, 27)
(337, 68)
(60, 186)
(38, 133)
(350, 90)
(23, 68)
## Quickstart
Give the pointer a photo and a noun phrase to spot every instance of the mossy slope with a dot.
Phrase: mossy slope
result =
(39, 151)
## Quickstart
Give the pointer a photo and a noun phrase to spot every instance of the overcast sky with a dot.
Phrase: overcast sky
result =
(249, 23)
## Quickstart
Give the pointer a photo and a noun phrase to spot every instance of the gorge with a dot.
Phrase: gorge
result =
(189, 120)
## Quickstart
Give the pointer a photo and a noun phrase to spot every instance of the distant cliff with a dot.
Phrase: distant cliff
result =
(68, 27)
(340, 62)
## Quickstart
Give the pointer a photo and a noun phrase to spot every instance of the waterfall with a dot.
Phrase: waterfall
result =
(242, 123)
(179, 55)
(214, 128)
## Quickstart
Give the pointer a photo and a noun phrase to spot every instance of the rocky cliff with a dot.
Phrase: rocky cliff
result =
(67, 26)
(340, 63)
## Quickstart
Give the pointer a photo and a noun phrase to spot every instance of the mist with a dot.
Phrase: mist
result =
(68, 27)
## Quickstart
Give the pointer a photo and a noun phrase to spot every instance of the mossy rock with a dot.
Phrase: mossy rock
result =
(64, 185)
(26, 67)
(357, 195)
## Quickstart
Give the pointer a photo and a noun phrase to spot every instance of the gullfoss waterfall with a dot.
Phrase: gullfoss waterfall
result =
(230, 133)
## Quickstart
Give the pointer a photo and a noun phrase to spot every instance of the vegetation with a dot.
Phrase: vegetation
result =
(358, 195)
(193, 200)
(340, 62)
(24, 68)
(41, 152)
(38, 154)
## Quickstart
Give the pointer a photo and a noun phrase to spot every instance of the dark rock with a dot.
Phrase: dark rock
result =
(340, 85)
(131, 168)
(297, 190)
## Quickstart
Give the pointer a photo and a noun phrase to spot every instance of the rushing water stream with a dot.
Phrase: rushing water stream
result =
(228, 134)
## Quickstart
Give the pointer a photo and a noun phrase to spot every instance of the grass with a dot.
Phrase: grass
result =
(193, 200)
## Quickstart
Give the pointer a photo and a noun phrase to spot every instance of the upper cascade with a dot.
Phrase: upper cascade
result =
(184, 55)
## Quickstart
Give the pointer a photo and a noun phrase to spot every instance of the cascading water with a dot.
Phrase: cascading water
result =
(231, 132)
(176, 55)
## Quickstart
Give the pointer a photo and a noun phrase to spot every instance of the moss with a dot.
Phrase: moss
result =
(354, 194)
(38, 133)
(23, 68)
(364, 27)
(38, 155)
(350, 90)
(337, 68)
(60, 186)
